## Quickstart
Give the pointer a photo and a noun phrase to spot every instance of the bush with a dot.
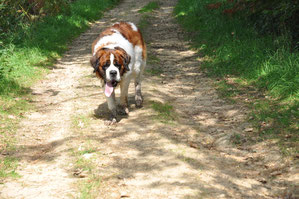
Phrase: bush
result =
(16, 14)
(269, 16)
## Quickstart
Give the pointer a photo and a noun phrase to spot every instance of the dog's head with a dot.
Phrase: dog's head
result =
(110, 64)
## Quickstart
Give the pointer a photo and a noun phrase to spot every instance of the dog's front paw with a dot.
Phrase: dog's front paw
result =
(112, 121)
(123, 110)
(138, 101)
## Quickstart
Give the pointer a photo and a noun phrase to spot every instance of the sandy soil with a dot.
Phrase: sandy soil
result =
(191, 155)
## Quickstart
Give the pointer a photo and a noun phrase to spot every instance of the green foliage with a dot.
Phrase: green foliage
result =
(274, 16)
(235, 49)
(24, 50)
(8, 166)
(143, 23)
(17, 13)
(11, 15)
(150, 7)
(165, 111)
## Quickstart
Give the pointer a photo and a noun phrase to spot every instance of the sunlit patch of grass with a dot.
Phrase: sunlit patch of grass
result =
(87, 151)
(150, 7)
(86, 167)
(8, 166)
(11, 112)
(89, 189)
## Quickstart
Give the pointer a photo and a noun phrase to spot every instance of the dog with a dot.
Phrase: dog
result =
(118, 55)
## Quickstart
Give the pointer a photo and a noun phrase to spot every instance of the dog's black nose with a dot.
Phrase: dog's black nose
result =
(113, 73)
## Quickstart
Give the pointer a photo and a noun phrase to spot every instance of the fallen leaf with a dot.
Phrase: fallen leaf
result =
(262, 180)
(248, 129)
(80, 173)
(276, 173)
(193, 145)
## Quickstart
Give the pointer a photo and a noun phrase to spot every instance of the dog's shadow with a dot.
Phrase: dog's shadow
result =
(103, 113)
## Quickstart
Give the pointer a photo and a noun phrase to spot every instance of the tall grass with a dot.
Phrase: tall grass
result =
(233, 48)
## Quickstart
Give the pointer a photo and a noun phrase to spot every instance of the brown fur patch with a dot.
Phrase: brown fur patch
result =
(132, 36)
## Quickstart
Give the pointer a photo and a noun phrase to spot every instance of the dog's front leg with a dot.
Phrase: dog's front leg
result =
(124, 106)
(112, 107)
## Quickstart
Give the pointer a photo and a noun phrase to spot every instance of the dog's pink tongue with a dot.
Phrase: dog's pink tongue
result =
(108, 89)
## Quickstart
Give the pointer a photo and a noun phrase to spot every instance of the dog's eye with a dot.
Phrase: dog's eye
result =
(117, 65)
(106, 65)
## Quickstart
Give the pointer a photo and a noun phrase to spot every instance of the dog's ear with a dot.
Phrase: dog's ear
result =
(127, 62)
(125, 56)
(94, 61)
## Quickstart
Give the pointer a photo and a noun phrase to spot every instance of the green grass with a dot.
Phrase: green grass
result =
(143, 23)
(29, 52)
(88, 190)
(155, 68)
(91, 183)
(154, 71)
(260, 65)
(150, 7)
(165, 112)
(8, 166)
(80, 122)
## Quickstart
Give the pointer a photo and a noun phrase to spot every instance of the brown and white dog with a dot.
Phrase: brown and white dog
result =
(118, 55)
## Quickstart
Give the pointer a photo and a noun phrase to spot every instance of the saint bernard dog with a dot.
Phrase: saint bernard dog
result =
(118, 55)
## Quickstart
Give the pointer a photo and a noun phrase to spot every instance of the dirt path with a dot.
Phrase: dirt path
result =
(188, 154)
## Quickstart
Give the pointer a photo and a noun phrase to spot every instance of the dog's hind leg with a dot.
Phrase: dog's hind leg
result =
(138, 94)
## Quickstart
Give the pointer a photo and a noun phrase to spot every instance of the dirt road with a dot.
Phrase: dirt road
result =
(178, 145)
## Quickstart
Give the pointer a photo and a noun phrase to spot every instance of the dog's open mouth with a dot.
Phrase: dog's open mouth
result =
(109, 87)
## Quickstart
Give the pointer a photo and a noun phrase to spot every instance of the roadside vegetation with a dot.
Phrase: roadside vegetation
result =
(150, 7)
(252, 49)
(165, 112)
(33, 34)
